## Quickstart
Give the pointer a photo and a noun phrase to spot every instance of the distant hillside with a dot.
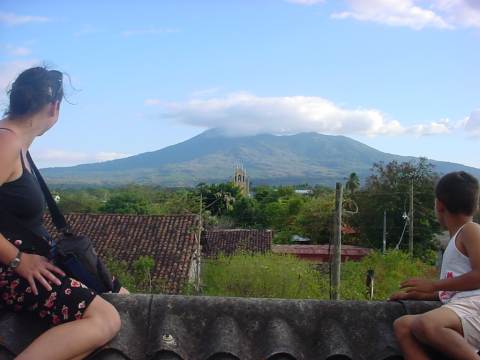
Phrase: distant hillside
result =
(210, 157)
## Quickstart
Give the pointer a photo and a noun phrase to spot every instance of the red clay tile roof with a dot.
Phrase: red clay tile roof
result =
(229, 241)
(169, 240)
(347, 250)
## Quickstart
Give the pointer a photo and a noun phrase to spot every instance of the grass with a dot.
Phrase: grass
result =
(389, 271)
(281, 276)
(262, 275)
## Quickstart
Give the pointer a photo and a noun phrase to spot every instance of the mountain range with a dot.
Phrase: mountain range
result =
(269, 159)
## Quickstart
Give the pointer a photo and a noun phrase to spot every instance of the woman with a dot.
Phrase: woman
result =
(28, 281)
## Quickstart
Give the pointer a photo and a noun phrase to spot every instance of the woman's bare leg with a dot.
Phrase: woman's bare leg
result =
(76, 339)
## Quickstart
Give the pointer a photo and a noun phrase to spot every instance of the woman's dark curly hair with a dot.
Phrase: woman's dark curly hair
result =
(33, 89)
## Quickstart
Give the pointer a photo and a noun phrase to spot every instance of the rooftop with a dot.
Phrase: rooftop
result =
(164, 327)
(169, 240)
(321, 252)
(228, 242)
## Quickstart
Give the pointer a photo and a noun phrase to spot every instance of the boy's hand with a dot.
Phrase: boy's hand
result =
(418, 285)
(400, 295)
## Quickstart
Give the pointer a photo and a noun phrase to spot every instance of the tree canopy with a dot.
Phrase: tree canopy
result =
(388, 189)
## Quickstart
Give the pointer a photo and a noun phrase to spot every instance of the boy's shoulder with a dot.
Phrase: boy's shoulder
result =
(470, 234)
(471, 228)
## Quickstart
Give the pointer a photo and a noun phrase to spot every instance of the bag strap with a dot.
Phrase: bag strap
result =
(57, 217)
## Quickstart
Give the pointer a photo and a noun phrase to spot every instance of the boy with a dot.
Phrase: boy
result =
(454, 328)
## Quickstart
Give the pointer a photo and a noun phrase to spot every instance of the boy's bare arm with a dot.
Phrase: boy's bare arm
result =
(403, 295)
(470, 238)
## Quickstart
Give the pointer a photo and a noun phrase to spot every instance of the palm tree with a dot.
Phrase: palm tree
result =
(353, 183)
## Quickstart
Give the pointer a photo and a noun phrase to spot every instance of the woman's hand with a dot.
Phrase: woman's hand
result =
(34, 267)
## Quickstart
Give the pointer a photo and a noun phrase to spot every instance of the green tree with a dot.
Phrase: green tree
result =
(218, 198)
(353, 183)
(388, 188)
(277, 206)
(127, 203)
(78, 202)
(315, 220)
(245, 212)
(176, 202)
(265, 194)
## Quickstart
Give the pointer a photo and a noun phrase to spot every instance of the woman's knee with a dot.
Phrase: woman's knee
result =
(106, 318)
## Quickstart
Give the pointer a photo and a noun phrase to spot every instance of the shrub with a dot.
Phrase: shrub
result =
(263, 275)
(390, 270)
(280, 276)
(137, 278)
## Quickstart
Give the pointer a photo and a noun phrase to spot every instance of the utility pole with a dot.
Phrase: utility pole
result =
(410, 219)
(384, 238)
(198, 250)
(337, 242)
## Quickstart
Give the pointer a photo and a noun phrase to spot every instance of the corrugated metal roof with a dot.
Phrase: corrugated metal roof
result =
(214, 328)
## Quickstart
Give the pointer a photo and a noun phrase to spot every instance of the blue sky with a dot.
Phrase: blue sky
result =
(401, 76)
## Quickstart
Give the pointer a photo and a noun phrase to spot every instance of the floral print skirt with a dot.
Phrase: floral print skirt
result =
(64, 303)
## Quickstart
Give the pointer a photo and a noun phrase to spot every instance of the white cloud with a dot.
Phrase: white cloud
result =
(17, 50)
(149, 31)
(472, 123)
(432, 128)
(12, 19)
(247, 114)
(393, 13)
(306, 2)
(415, 14)
(53, 157)
(464, 13)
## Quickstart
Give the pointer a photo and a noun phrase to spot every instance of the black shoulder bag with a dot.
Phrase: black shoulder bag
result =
(75, 253)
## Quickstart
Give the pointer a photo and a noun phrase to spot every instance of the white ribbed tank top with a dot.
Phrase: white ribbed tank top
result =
(454, 264)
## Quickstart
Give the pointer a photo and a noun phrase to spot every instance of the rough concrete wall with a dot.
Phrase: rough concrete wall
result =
(191, 328)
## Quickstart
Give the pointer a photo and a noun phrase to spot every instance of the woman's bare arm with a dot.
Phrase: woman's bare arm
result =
(9, 153)
(32, 267)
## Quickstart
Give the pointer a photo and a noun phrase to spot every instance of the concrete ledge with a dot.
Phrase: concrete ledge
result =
(170, 327)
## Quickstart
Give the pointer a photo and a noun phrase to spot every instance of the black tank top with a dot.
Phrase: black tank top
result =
(23, 198)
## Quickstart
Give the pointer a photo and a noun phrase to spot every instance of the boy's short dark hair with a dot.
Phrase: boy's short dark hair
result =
(459, 192)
